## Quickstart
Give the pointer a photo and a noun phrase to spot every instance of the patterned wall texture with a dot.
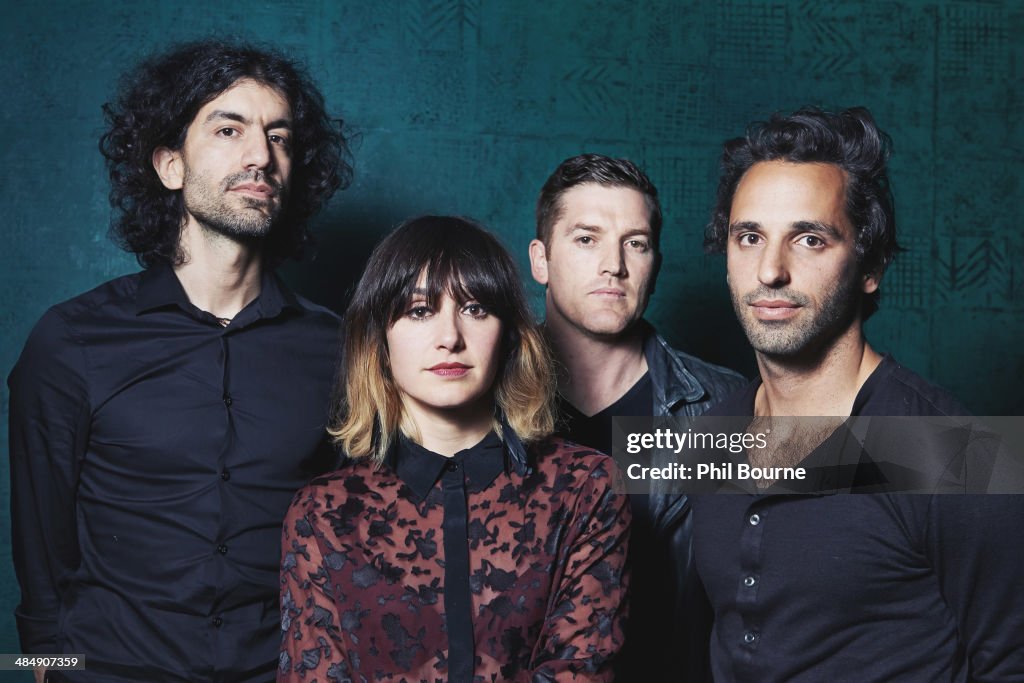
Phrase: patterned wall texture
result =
(466, 106)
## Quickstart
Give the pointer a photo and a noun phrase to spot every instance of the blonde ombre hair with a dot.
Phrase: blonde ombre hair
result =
(462, 259)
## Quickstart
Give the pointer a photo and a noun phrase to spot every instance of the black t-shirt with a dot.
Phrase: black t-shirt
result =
(596, 431)
(866, 587)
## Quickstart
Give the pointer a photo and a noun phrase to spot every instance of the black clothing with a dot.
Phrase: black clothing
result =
(670, 620)
(153, 456)
(470, 470)
(596, 430)
(891, 390)
(865, 587)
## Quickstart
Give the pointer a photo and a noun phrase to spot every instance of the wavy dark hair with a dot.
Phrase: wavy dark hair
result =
(599, 169)
(154, 106)
(849, 139)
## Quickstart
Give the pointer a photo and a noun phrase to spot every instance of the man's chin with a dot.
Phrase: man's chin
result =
(241, 230)
(608, 330)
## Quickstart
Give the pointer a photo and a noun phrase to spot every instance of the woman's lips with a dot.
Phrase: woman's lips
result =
(449, 369)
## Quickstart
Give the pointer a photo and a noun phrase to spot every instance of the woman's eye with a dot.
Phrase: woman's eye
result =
(475, 310)
(418, 312)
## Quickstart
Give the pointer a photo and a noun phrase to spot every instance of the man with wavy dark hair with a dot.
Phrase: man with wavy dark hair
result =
(851, 142)
(877, 586)
(161, 422)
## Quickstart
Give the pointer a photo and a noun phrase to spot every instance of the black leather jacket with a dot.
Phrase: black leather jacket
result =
(669, 628)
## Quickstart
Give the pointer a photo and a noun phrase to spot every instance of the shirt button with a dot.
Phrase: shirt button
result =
(222, 549)
(452, 467)
(217, 621)
(749, 581)
(749, 637)
(225, 475)
(227, 399)
(755, 519)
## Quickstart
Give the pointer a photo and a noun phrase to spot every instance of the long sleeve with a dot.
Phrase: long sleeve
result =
(582, 632)
(49, 429)
(974, 544)
(312, 645)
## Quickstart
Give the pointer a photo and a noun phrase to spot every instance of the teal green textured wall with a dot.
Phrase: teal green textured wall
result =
(465, 107)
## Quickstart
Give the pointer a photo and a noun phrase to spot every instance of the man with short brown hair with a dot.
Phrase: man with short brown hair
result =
(597, 253)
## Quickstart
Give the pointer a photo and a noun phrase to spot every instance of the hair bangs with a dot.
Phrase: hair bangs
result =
(447, 257)
(426, 258)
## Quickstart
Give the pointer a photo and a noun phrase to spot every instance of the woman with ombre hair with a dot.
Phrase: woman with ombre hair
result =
(460, 542)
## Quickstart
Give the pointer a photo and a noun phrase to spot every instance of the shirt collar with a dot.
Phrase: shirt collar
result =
(878, 377)
(420, 468)
(840, 464)
(159, 287)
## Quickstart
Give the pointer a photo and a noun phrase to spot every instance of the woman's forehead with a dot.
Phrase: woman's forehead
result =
(449, 284)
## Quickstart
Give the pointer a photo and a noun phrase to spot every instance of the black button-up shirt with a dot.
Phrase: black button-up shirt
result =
(470, 470)
(153, 456)
(864, 587)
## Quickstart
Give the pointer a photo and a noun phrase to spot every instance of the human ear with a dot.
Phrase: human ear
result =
(539, 262)
(870, 282)
(169, 166)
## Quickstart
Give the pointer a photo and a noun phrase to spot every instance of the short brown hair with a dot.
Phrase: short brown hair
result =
(461, 258)
(601, 170)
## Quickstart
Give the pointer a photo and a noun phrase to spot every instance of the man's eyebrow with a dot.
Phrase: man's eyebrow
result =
(743, 226)
(229, 115)
(218, 114)
(820, 227)
(633, 232)
(584, 227)
(280, 123)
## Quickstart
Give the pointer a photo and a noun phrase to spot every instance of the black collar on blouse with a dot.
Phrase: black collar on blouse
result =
(160, 287)
(420, 468)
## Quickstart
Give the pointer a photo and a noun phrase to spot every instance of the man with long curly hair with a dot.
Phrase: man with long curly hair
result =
(161, 422)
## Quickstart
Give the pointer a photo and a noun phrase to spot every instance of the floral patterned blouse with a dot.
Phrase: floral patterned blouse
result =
(496, 564)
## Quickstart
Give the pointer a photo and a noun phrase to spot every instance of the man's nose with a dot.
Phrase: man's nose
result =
(613, 260)
(772, 268)
(256, 154)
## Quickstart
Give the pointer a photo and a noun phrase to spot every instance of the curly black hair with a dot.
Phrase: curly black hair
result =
(850, 140)
(155, 104)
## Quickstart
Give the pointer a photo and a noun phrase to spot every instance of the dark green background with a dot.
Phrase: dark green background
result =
(466, 107)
